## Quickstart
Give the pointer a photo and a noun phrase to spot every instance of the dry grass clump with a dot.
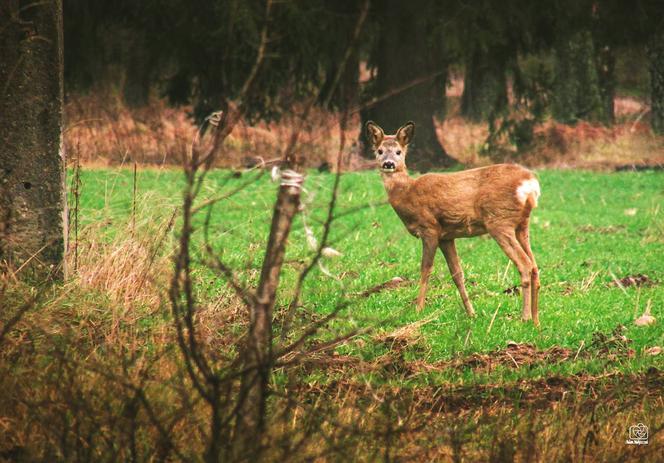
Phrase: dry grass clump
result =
(318, 142)
(127, 270)
(91, 371)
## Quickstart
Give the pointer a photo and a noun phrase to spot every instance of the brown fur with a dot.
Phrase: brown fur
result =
(438, 208)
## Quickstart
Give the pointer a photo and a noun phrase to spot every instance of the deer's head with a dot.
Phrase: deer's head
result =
(390, 150)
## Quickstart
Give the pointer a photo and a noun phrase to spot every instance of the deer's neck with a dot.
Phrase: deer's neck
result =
(396, 184)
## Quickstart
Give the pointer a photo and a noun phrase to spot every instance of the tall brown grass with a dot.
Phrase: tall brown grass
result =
(102, 131)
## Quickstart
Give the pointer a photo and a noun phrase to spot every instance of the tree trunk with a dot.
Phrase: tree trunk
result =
(485, 84)
(656, 56)
(576, 92)
(250, 416)
(342, 92)
(606, 65)
(32, 194)
(136, 89)
(343, 95)
(410, 81)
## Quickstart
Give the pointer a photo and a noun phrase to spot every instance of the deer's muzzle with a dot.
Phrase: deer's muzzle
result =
(388, 166)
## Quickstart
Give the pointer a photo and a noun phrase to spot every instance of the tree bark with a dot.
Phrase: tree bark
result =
(342, 92)
(485, 84)
(343, 95)
(136, 88)
(32, 194)
(576, 92)
(410, 81)
(257, 361)
(606, 65)
(656, 57)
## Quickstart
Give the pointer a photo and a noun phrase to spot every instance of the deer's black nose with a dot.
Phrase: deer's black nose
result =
(388, 165)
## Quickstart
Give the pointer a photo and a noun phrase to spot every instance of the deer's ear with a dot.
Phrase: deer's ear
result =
(406, 133)
(375, 134)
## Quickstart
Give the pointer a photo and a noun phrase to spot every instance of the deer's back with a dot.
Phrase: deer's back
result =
(463, 203)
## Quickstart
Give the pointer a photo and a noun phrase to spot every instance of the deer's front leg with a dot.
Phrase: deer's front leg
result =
(449, 251)
(428, 254)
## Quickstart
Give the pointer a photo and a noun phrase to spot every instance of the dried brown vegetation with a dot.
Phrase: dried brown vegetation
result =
(112, 389)
(628, 144)
(102, 131)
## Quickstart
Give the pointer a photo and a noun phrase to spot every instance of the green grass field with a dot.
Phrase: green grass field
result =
(588, 228)
(95, 363)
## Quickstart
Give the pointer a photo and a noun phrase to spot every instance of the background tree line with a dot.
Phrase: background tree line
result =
(547, 58)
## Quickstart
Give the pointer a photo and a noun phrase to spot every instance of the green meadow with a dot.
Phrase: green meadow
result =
(589, 230)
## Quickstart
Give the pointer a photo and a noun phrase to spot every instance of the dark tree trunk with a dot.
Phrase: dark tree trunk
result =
(485, 83)
(251, 410)
(656, 56)
(250, 419)
(32, 199)
(576, 92)
(344, 95)
(410, 81)
(606, 65)
(136, 89)
(342, 91)
(83, 55)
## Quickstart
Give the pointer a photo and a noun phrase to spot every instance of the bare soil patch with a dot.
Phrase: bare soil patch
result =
(636, 280)
(537, 394)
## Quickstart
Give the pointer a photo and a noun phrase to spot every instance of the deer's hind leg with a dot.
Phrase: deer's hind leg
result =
(428, 254)
(523, 236)
(449, 251)
(507, 240)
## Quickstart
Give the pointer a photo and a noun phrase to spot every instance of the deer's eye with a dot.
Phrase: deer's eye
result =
(398, 152)
(380, 151)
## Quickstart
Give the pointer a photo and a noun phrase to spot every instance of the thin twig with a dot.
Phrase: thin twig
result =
(583, 343)
(133, 203)
(512, 358)
(488, 330)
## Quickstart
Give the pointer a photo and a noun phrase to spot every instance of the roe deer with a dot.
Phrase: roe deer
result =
(438, 208)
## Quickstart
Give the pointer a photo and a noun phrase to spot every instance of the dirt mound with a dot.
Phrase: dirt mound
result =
(536, 394)
(514, 356)
(541, 393)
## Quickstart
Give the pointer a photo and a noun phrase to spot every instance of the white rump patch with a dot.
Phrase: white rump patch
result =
(527, 189)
